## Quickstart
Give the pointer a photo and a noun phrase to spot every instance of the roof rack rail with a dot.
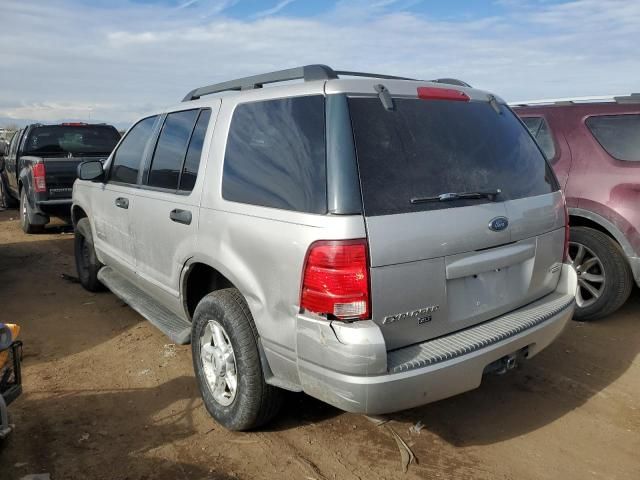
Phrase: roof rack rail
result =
(451, 81)
(307, 73)
(628, 98)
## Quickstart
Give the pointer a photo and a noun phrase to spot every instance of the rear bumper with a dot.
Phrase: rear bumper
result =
(57, 207)
(355, 373)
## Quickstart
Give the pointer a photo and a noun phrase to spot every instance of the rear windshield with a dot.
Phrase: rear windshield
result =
(429, 148)
(77, 141)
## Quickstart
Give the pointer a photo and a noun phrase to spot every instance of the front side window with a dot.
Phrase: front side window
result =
(14, 143)
(128, 156)
(171, 149)
(275, 155)
(540, 130)
(619, 135)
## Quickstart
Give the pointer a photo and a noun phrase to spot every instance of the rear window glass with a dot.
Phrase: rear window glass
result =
(81, 140)
(275, 155)
(192, 162)
(539, 129)
(619, 135)
(429, 148)
(171, 149)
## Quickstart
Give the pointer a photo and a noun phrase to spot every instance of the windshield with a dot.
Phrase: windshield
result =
(424, 149)
(74, 140)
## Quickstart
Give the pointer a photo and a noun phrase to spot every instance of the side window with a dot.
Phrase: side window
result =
(275, 155)
(540, 130)
(171, 149)
(194, 152)
(127, 158)
(619, 135)
(14, 143)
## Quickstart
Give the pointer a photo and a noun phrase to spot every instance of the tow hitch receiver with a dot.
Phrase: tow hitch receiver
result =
(508, 362)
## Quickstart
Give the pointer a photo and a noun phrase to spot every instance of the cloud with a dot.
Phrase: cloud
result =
(125, 58)
(273, 10)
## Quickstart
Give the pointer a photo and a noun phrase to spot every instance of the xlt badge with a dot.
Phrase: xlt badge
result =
(423, 315)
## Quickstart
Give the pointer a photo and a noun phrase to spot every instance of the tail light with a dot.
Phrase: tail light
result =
(565, 257)
(39, 181)
(433, 93)
(336, 279)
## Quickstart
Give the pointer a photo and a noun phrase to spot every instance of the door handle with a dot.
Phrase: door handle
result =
(180, 216)
(122, 202)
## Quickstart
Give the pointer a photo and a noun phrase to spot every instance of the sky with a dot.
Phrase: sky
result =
(115, 60)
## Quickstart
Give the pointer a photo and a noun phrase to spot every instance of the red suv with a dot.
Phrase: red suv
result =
(593, 145)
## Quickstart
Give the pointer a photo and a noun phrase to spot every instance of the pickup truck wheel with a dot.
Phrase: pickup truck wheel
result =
(226, 360)
(87, 263)
(27, 216)
(604, 276)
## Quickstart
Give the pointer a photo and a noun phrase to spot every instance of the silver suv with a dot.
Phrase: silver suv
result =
(376, 242)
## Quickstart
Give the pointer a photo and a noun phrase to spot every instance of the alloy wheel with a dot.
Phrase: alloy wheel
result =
(219, 363)
(591, 274)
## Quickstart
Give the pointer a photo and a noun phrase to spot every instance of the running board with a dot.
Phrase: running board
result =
(177, 329)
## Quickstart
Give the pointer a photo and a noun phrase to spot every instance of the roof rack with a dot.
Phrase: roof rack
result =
(307, 73)
(629, 98)
(451, 81)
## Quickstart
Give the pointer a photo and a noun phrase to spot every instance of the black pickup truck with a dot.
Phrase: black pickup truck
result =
(40, 167)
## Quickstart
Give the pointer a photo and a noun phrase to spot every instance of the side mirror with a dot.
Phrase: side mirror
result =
(1, 164)
(91, 170)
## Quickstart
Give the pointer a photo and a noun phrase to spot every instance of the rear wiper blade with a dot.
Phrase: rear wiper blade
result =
(445, 197)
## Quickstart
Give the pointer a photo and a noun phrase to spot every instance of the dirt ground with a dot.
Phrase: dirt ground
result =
(106, 396)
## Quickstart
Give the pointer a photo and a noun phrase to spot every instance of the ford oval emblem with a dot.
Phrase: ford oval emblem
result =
(498, 224)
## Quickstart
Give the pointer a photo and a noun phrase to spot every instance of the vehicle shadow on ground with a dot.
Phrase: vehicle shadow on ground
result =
(584, 360)
(83, 432)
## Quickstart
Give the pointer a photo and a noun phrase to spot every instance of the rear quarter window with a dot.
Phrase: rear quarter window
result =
(619, 135)
(539, 129)
(275, 155)
(428, 148)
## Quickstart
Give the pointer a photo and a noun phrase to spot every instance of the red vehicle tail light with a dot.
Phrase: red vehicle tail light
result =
(336, 279)
(39, 180)
(433, 93)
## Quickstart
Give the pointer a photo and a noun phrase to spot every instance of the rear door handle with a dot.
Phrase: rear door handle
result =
(180, 216)
(122, 202)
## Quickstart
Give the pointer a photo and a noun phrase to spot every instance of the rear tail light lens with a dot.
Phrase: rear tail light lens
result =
(433, 93)
(336, 279)
(39, 180)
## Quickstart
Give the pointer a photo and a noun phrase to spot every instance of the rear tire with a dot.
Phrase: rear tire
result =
(87, 263)
(252, 402)
(604, 276)
(27, 216)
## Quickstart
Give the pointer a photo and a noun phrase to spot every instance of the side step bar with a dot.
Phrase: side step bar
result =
(177, 329)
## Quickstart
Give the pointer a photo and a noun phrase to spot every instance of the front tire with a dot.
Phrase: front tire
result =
(87, 263)
(226, 360)
(27, 216)
(604, 276)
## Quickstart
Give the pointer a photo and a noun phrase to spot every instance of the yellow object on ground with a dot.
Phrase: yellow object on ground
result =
(4, 355)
